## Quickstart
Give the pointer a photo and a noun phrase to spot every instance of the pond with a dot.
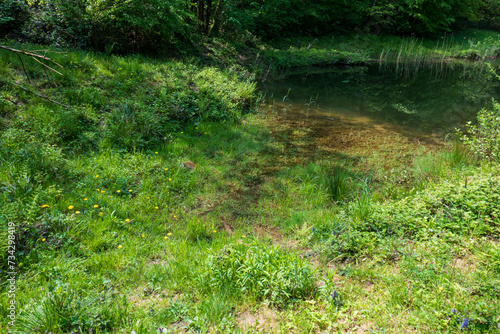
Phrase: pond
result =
(387, 108)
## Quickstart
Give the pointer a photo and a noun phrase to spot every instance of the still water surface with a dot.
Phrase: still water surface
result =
(428, 100)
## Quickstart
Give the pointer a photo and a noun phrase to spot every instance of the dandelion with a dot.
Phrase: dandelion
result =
(182, 132)
(118, 191)
(175, 216)
(97, 176)
(440, 288)
(100, 213)
(205, 133)
(43, 239)
(147, 197)
(166, 168)
(156, 152)
(127, 220)
(102, 191)
(142, 235)
(169, 179)
(85, 199)
(243, 236)
(130, 190)
(119, 246)
(169, 233)
(165, 237)
(77, 212)
(45, 206)
(98, 189)
(71, 207)
(96, 206)
(465, 323)
(156, 208)
(215, 231)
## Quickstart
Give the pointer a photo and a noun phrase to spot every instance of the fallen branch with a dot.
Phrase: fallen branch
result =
(35, 57)
(29, 54)
(41, 96)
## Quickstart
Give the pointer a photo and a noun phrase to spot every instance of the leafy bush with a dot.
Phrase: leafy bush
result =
(13, 14)
(484, 138)
(123, 26)
(266, 273)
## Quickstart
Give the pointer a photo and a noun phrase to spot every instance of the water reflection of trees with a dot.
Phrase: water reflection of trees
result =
(439, 94)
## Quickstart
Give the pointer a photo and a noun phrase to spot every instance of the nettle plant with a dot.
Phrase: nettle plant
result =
(484, 138)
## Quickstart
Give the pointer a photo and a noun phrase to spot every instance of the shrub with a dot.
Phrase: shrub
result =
(484, 138)
(13, 14)
(266, 273)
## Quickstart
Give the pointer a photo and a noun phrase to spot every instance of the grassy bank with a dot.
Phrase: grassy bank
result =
(271, 231)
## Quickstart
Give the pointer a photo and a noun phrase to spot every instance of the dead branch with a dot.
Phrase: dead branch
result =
(35, 57)
(41, 96)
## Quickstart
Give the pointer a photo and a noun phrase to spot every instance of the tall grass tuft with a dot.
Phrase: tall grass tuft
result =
(336, 182)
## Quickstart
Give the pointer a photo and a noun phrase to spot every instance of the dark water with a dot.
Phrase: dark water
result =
(433, 98)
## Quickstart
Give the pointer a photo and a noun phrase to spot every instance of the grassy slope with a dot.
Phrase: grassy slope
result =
(126, 239)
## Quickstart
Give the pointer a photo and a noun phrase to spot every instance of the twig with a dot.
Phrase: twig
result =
(50, 68)
(24, 68)
(41, 96)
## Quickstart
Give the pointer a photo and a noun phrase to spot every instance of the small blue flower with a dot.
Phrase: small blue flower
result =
(453, 311)
(465, 323)
(90, 330)
(334, 294)
(314, 229)
(160, 330)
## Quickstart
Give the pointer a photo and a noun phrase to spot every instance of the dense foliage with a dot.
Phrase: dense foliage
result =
(154, 25)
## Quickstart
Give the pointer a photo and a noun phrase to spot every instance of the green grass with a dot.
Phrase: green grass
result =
(115, 234)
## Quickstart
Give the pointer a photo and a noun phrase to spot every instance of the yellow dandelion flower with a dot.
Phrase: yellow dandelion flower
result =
(77, 212)
(169, 233)
(243, 236)
(215, 231)
(205, 133)
(100, 213)
(118, 191)
(440, 288)
(43, 239)
(71, 207)
(147, 197)
(85, 199)
(156, 152)
(156, 208)
(127, 220)
(166, 168)
(119, 246)
(175, 216)
(142, 235)
(45, 206)
(96, 206)
(110, 196)
(130, 190)
(170, 179)
(182, 132)
(98, 189)
(165, 237)
(97, 176)
(102, 191)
